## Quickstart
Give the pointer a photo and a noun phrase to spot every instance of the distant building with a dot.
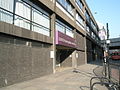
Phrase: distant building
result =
(114, 44)
(38, 36)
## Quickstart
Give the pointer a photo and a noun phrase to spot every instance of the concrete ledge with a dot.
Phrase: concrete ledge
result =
(22, 32)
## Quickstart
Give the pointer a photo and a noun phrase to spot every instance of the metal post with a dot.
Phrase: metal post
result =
(107, 45)
(14, 5)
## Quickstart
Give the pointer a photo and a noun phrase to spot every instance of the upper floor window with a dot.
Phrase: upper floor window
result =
(7, 4)
(67, 5)
(6, 16)
(42, 22)
(93, 35)
(87, 16)
(28, 16)
(88, 28)
(60, 26)
(79, 19)
(93, 26)
(80, 4)
(33, 17)
(22, 9)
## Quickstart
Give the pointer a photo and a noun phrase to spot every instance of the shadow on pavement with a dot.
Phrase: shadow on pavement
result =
(84, 88)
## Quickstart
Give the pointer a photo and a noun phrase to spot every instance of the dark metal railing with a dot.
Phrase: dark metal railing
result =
(108, 75)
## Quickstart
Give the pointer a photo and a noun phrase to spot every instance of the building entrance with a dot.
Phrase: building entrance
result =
(64, 57)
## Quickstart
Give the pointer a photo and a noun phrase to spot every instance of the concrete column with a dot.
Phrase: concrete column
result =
(85, 49)
(53, 31)
(74, 60)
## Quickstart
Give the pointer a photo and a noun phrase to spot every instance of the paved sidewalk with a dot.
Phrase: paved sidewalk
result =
(63, 80)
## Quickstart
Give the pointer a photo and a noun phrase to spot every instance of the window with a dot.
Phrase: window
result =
(28, 16)
(62, 2)
(23, 10)
(60, 27)
(87, 16)
(80, 4)
(4, 15)
(64, 28)
(93, 35)
(87, 28)
(93, 26)
(69, 8)
(43, 22)
(67, 5)
(7, 4)
(40, 21)
(40, 18)
(79, 19)
(69, 32)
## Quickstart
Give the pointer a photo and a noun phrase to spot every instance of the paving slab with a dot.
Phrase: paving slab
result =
(63, 80)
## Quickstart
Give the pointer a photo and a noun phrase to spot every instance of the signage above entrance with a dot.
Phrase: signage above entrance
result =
(62, 39)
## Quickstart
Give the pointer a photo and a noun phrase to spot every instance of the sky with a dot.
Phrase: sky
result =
(107, 11)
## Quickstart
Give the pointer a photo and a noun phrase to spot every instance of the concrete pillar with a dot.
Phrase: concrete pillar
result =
(85, 49)
(74, 60)
(53, 31)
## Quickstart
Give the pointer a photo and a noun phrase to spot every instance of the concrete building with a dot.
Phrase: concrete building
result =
(114, 45)
(39, 36)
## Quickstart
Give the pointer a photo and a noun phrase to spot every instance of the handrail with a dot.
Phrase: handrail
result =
(107, 80)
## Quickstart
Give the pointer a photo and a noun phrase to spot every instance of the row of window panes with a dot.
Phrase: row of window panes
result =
(80, 19)
(94, 36)
(87, 16)
(93, 26)
(115, 54)
(64, 29)
(87, 28)
(66, 4)
(80, 4)
(24, 11)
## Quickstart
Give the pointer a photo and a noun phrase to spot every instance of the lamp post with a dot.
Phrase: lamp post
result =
(106, 51)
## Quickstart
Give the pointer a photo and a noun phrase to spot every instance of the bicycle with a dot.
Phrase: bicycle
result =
(107, 76)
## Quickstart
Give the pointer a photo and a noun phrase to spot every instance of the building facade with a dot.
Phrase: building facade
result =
(39, 36)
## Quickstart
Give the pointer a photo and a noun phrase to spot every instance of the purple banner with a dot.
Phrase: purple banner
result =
(62, 39)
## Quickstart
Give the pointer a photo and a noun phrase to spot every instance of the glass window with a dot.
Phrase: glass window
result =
(62, 2)
(67, 5)
(4, 15)
(40, 18)
(64, 28)
(41, 29)
(69, 32)
(88, 29)
(87, 16)
(7, 4)
(23, 10)
(69, 8)
(43, 22)
(80, 4)
(60, 28)
(79, 19)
